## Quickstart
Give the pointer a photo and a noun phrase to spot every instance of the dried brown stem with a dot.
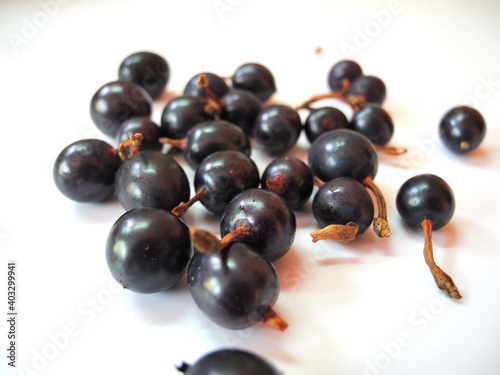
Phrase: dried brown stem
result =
(132, 143)
(318, 181)
(275, 321)
(380, 223)
(215, 104)
(391, 150)
(442, 279)
(179, 143)
(181, 208)
(206, 242)
(336, 232)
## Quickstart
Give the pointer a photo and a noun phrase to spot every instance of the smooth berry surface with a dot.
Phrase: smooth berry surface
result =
(236, 288)
(147, 69)
(268, 218)
(85, 170)
(462, 129)
(148, 250)
(117, 101)
(343, 200)
(151, 179)
(426, 196)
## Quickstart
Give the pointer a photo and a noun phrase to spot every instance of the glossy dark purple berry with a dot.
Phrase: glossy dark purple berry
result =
(374, 123)
(427, 201)
(345, 69)
(371, 87)
(148, 250)
(147, 69)
(209, 137)
(151, 179)
(321, 120)
(426, 196)
(277, 128)
(256, 78)
(182, 114)
(343, 153)
(462, 129)
(222, 176)
(145, 126)
(241, 107)
(215, 83)
(116, 102)
(85, 170)
(267, 217)
(230, 362)
(343, 200)
(236, 288)
(291, 178)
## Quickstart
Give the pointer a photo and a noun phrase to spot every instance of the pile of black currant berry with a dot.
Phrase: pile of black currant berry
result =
(212, 125)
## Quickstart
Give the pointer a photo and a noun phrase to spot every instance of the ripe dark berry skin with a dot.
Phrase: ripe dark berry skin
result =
(321, 120)
(343, 200)
(277, 128)
(374, 123)
(183, 113)
(255, 78)
(116, 102)
(222, 176)
(343, 153)
(462, 129)
(241, 108)
(291, 178)
(371, 87)
(144, 125)
(209, 137)
(235, 288)
(345, 69)
(148, 70)
(215, 83)
(85, 170)
(151, 179)
(148, 250)
(268, 218)
(426, 196)
(230, 362)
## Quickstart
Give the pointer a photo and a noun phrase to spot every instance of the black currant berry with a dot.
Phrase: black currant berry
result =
(183, 113)
(343, 208)
(229, 362)
(291, 178)
(345, 70)
(370, 87)
(240, 107)
(209, 137)
(85, 170)
(321, 120)
(116, 102)
(462, 129)
(148, 250)
(255, 78)
(219, 178)
(235, 287)
(151, 179)
(145, 126)
(147, 69)
(216, 84)
(277, 128)
(374, 123)
(427, 201)
(267, 219)
(343, 153)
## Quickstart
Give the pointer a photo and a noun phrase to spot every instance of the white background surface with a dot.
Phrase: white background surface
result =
(369, 307)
